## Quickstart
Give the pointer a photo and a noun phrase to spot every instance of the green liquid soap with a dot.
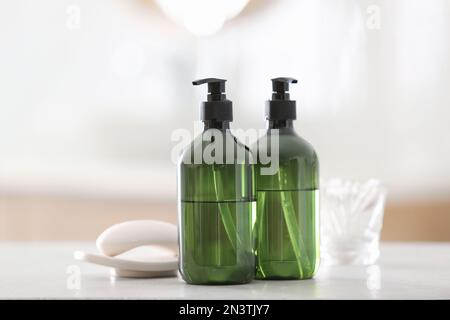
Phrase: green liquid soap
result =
(216, 199)
(287, 219)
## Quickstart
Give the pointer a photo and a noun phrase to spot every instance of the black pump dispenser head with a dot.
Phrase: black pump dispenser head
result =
(281, 107)
(216, 107)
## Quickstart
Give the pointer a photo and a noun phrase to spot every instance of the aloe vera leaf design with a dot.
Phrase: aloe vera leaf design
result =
(224, 210)
(260, 221)
(289, 214)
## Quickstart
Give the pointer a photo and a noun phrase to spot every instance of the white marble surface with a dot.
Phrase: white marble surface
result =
(404, 271)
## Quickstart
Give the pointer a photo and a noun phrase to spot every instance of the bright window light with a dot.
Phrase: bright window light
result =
(202, 17)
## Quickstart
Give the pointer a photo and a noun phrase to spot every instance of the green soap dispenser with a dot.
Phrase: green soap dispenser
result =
(287, 220)
(216, 199)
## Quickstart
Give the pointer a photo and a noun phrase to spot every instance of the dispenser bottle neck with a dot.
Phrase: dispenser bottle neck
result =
(287, 124)
(216, 124)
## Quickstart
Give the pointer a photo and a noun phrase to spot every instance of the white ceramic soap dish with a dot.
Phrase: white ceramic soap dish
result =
(139, 248)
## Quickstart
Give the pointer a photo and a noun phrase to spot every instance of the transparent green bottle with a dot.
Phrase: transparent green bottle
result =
(216, 199)
(287, 220)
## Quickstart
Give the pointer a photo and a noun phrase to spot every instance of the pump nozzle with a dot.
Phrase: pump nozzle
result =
(215, 88)
(281, 107)
(216, 107)
(280, 86)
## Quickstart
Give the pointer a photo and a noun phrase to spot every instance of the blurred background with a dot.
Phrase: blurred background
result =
(91, 91)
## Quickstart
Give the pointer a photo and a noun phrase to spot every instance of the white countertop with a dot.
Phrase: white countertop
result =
(46, 269)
